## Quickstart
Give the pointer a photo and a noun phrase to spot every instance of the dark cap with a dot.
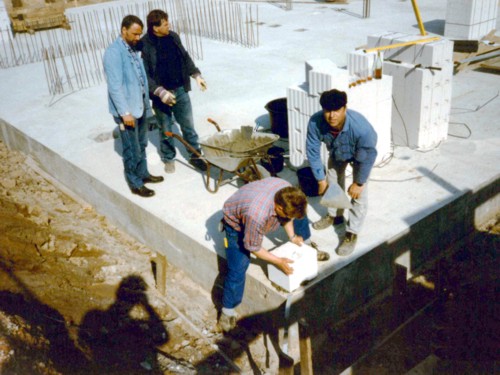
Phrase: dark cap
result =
(333, 100)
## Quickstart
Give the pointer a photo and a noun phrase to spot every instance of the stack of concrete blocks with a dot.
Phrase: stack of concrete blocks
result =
(421, 96)
(470, 19)
(371, 98)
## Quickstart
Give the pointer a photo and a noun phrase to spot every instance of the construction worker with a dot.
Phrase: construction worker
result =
(254, 210)
(350, 139)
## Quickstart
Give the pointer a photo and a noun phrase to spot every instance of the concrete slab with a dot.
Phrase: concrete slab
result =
(417, 198)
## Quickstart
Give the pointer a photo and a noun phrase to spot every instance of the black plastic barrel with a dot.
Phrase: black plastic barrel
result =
(275, 161)
(278, 116)
(307, 182)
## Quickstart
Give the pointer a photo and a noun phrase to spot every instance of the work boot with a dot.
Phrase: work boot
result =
(321, 256)
(323, 223)
(226, 322)
(327, 221)
(348, 244)
(170, 166)
(198, 163)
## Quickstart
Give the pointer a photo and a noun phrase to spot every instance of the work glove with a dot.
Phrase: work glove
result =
(202, 84)
(165, 96)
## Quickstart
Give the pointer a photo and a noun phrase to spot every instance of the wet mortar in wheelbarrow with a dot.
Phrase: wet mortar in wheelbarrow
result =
(235, 151)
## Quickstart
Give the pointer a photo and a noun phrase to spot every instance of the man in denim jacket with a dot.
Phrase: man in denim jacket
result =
(128, 102)
(350, 139)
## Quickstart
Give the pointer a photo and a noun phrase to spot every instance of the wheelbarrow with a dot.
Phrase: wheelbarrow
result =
(235, 151)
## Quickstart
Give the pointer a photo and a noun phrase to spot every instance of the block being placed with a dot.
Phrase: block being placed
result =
(305, 266)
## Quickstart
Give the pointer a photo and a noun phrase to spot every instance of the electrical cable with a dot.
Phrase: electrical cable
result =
(459, 136)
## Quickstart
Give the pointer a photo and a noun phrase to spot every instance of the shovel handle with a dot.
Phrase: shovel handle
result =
(183, 141)
(214, 123)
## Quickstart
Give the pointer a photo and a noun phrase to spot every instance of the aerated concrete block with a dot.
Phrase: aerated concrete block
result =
(360, 63)
(470, 19)
(305, 266)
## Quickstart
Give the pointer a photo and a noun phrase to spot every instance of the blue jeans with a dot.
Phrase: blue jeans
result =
(357, 213)
(182, 111)
(238, 260)
(134, 141)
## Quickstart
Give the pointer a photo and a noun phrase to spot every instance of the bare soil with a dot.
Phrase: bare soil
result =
(78, 296)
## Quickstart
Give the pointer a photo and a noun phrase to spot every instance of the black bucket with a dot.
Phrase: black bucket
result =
(307, 182)
(276, 160)
(279, 116)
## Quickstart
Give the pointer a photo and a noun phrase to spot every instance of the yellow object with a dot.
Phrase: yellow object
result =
(419, 20)
(397, 45)
(225, 242)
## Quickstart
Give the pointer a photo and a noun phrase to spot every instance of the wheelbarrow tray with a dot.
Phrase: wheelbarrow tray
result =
(230, 150)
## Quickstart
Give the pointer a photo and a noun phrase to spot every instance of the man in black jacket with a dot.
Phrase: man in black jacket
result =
(169, 68)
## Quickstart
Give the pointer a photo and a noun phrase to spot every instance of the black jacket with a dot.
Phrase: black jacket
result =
(148, 46)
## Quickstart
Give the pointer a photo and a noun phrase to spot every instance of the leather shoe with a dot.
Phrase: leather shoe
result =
(152, 179)
(143, 191)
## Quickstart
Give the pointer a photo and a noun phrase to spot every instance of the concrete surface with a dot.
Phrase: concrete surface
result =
(417, 196)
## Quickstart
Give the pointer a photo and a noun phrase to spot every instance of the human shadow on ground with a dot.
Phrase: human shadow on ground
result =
(123, 338)
(44, 334)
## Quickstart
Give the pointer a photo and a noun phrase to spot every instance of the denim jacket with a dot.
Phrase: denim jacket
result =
(355, 144)
(124, 84)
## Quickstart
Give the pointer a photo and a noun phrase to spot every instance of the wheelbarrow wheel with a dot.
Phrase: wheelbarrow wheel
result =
(254, 173)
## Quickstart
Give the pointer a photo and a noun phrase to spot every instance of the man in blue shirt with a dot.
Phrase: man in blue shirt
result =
(128, 103)
(350, 139)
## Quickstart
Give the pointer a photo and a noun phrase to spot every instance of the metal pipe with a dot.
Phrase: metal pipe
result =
(419, 19)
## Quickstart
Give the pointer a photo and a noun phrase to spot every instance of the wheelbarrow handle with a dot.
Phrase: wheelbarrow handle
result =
(188, 146)
(214, 123)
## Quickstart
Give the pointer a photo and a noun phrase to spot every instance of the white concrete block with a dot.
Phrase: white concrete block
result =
(321, 81)
(360, 63)
(436, 54)
(305, 266)
(470, 19)
(382, 39)
(298, 99)
(320, 65)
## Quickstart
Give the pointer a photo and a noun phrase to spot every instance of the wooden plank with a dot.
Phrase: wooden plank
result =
(306, 365)
(493, 64)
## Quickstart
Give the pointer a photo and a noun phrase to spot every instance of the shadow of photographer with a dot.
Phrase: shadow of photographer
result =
(123, 339)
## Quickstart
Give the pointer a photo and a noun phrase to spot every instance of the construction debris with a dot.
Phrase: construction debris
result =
(37, 15)
(468, 53)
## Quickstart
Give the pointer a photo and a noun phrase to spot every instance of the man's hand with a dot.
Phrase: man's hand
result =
(128, 120)
(202, 84)
(283, 264)
(165, 96)
(168, 98)
(355, 190)
(322, 186)
(297, 240)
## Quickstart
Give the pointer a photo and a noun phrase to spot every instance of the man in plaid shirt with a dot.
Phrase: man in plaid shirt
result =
(254, 210)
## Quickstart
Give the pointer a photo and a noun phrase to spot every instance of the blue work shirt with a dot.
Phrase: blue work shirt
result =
(355, 144)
